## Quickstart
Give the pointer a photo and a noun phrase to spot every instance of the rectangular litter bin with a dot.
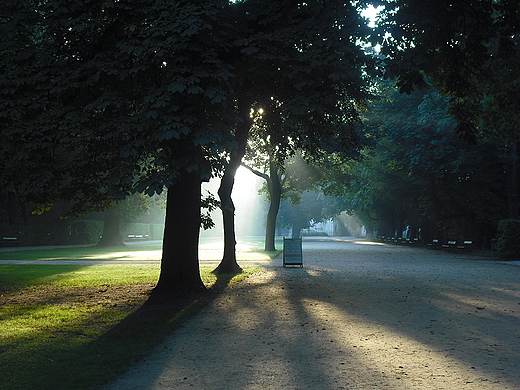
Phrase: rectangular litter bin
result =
(292, 252)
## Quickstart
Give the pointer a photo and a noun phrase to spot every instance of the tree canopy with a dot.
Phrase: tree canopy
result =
(419, 176)
(101, 99)
(468, 49)
(114, 96)
(299, 65)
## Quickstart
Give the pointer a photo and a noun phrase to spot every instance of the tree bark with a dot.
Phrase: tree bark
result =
(275, 194)
(229, 264)
(111, 230)
(180, 272)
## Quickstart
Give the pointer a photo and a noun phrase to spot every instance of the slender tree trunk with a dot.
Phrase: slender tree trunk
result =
(512, 182)
(229, 264)
(275, 193)
(111, 230)
(180, 259)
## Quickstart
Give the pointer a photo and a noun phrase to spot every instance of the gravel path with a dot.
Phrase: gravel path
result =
(358, 315)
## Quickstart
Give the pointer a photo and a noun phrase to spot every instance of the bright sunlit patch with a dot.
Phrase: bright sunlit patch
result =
(216, 255)
(249, 208)
(368, 243)
(217, 247)
(371, 13)
(137, 255)
(210, 254)
(249, 216)
(390, 354)
(252, 256)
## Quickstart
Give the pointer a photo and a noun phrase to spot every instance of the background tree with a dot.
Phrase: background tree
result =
(305, 210)
(281, 182)
(128, 210)
(470, 51)
(420, 176)
(299, 63)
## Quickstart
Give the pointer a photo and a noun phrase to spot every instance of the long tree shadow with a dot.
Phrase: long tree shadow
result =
(372, 317)
(144, 329)
(389, 313)
(139, 333)
(109, 355)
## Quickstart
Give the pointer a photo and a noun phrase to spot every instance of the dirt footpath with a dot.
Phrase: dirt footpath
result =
(358, 315)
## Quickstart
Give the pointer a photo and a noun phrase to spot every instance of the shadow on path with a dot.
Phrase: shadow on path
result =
(357, 316)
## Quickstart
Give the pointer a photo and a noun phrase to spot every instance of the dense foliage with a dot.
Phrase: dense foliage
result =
(105, 98)
(102, 99)
(300, 81)
(468, 49)
(420, 177)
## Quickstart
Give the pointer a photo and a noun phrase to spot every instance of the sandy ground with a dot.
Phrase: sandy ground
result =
(358, 315)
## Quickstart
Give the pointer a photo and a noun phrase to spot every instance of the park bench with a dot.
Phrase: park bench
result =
(135, 237)
(411, 242)
(433, 245)
(9, 241)
(449, 245)
(465, 246)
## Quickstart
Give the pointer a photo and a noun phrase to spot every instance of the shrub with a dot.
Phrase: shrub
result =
(508, 243)
(85, 231)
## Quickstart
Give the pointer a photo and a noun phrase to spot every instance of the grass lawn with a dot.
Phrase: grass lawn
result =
(150, 251)
(209, 249)
(78, 326)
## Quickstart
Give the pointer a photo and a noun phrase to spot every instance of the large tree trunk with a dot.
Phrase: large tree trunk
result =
(180, 258)
(229, 264)
(275, 194)
(111, 230)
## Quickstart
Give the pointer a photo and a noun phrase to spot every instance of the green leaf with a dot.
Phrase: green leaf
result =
(192, 89)
(152, 114)
(176, 87)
